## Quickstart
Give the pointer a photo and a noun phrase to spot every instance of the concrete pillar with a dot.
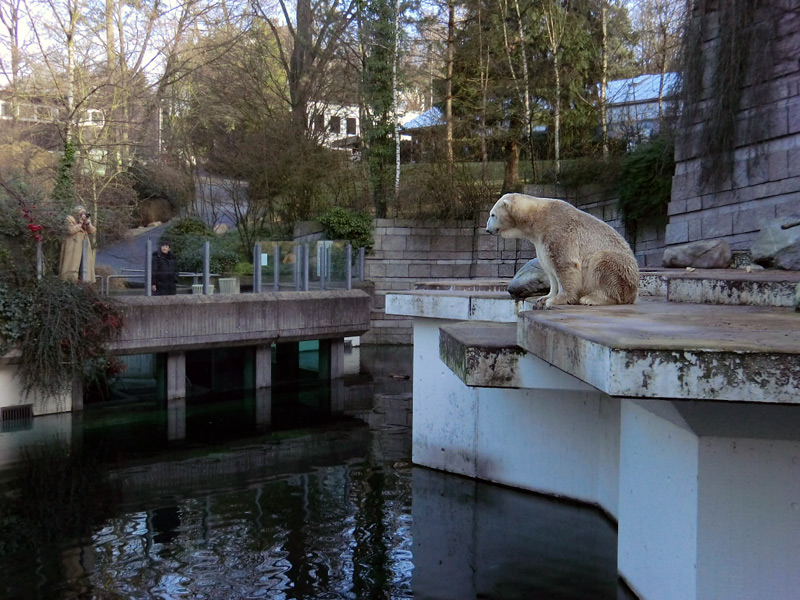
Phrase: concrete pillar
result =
(331, 358)
(708, 507)
(264, 406)
(175, 376)
(176, 419)
(263, 366)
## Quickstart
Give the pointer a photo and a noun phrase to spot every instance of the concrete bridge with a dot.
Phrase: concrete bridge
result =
(170, 326)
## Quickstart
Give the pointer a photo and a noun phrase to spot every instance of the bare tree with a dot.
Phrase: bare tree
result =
(555, 21)
(658, 23)
(307, 42)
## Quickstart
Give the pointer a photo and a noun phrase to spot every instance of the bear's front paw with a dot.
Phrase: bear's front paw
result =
(541, 303)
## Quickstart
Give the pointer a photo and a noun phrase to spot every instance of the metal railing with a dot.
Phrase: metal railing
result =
(322, 264)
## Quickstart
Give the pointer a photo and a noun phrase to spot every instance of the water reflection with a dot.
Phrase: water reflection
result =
(306, 495)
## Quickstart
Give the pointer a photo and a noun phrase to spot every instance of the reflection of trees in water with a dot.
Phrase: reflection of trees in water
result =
(60, 498)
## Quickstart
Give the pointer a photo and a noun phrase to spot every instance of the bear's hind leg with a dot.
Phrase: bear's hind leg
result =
(569, 284)
(611, 279)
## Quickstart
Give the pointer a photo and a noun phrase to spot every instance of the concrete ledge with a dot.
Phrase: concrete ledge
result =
(457, 305)
(482, 354)
(657, 349)
(486, 355)
(767, 287)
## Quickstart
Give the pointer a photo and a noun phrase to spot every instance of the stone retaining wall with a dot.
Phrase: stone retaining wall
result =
(408, 251)
(766, 164)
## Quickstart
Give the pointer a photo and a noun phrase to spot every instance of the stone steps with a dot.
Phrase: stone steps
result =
(762, 287)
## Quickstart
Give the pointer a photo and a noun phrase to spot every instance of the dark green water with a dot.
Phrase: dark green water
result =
(297, 494)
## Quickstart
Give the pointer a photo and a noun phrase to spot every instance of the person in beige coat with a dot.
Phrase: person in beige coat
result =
(79, 228)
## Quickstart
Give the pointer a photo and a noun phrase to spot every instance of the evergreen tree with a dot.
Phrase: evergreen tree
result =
(378, 55)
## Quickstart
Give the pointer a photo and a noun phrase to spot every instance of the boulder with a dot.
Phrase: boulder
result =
(530, 280)
(704, 254)
(778, 244)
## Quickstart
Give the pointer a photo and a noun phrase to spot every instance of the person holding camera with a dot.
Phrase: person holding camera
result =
(77, 253)
(164, 270)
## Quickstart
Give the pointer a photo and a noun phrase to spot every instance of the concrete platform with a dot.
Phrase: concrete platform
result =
(679, 419)
(659, 349)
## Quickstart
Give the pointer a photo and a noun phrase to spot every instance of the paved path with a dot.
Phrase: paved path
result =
(132, 253)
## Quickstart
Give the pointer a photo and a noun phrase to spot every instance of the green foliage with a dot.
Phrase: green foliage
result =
(343, 224)
(646, 184)
(61, 329)
(187, 238)
(27, 215)
(243, 268)
(379, 37)
(64, 189)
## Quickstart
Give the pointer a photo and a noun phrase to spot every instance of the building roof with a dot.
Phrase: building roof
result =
(643, 88)
(430, 118)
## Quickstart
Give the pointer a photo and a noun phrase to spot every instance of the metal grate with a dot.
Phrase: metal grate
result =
(16, 417)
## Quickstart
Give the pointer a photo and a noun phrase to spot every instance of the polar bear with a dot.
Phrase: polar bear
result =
(586, 261)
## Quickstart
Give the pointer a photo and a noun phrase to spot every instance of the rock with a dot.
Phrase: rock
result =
(529, 280)
(778, 244)
(705, 254)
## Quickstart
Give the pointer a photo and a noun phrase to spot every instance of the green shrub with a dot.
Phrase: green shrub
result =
(187, 238)
(61, 329)
(646, 184)
(243, 268)
(343, 224)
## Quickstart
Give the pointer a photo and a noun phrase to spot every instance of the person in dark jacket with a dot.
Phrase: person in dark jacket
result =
(165, 270)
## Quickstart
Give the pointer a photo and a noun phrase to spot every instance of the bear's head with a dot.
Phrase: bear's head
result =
(501, 218)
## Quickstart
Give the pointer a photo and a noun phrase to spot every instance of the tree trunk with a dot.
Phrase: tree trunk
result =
(604, 75)
(299, 64)
(511, 174)
(448, 103)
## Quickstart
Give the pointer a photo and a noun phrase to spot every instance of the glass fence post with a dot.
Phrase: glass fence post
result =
(148, 268)
(348, 266)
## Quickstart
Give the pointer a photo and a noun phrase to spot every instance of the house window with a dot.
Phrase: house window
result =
(335, 124)
(319, 122)
(351, 126)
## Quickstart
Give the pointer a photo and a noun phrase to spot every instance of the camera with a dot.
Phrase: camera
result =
(88, 214)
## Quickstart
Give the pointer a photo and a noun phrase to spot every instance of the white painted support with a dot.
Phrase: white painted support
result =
(263, 366)
(558, 442)
(704, 512)
(337, 358)
(176, 375)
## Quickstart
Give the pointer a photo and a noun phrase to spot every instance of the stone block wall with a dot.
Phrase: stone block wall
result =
(766, 163)
(408, 251)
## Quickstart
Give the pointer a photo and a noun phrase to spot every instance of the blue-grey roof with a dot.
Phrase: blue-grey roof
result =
(643, 88)
(430, 118)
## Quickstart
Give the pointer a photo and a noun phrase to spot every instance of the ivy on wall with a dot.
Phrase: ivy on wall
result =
(729, 50)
